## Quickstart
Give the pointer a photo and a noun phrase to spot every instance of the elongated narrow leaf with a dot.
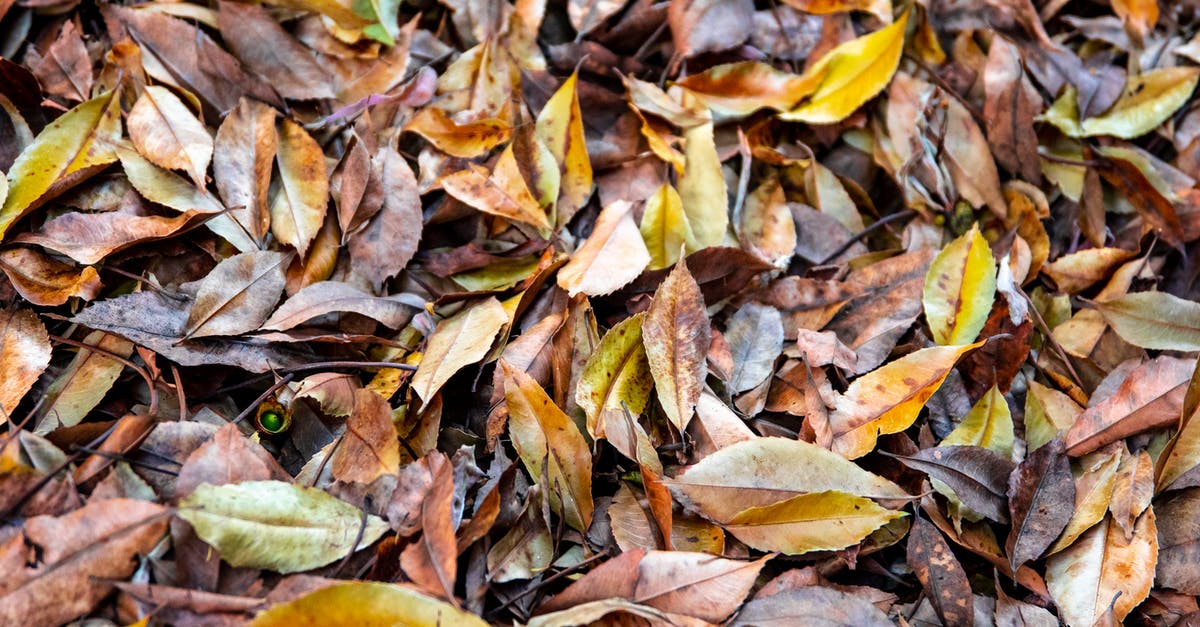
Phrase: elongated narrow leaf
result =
(940, 574)
(237, 295)
(819, 521)
(66, 152)
(1041, 498)
(1148, 100)
(457, 342)
(1150, 397)
(676, 335)
(278, 526)
(888, 399)
(243, 153)
(959, 289)
(739, 89)
(560, 127)
(84, 383)
(702, 187)
(327, 297)
(550, 446)
(850, 75)
(665, 228)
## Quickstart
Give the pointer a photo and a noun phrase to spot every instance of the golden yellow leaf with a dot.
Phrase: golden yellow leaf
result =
(738, 89)
(959, 289)
(1149, 99)
(989, 425)
(502, 193)
(702, 187)
(366, 604)
(818, 521)
(616, 375)
(550, 446)
(888, 399)
(1048, 413)
(457, 342)
(850, 75)
(301, 193)
(665, 228)
(560, 127)
(66, 152)
(471, 139)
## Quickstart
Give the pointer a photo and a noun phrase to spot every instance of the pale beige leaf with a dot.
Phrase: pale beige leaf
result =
(676, 335)
(457, 342)
(1103, 570)
(613, 255)
(238, 295)
(24, 354)
(168, 134)
(300, 195)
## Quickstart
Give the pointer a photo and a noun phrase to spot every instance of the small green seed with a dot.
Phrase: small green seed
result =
(271, 422)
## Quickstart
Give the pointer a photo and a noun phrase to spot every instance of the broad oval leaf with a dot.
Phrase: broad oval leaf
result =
(457, 342)
(366, 604)
(1104, 570)
(24, 354)
(164, 131)
(888, 399)
(755, 338)
(1150, 397)
(850, 75)
(278, 526)
(765, 471)
(959, 289)
(613, 255)
(243, 153)
(550, 445)
(665, 228)
(1039, 491)
(238, 295)
(69, 150)
(615, 376)
(1149, 100)
(977, 476)
(811, 605)
(818, 521)
(702, 188)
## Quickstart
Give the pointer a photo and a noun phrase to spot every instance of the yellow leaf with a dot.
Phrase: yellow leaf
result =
(850, 75)
(300, 195)
(702, 187)
(888, 399)
(959, 289)
(1139, 15)
(468, 140)
(550, 445)
(1149, 99)
(164, 131)
(665, 228)
(765, 471)
(616, 375)
(739, 89)
(1093, 493)
(457, 342)
(502, 193)
(366, 604)
(989, 425)
(69, 150)
(1048, 413)
(1078, 271)
(613, 255)
(818, 521)
(1103, 570)
(560, 126)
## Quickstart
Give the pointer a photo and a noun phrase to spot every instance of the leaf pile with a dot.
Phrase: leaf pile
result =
(572, 312)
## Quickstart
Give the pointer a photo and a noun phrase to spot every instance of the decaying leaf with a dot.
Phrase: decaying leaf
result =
(458, 341)
(676, 334)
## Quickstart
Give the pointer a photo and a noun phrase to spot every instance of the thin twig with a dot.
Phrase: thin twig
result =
(287, 378)
(907, 213)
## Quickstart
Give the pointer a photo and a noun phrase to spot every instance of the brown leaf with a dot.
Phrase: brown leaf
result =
(238, 295)
(1179, 541)
(90, 237)
(44, 280)
(977, 475)
(76, 557)
(941, 575)
(384, 245)
(1039, 492)
(810, 605)
(1149, 398)
(269, 51)
(65, 70)
(432, 560)
(369, 447)
(709, 25)
(242, 157)
(168, 134)
(613, 255)
(676, 334)
(1009, 109)
(229, 457)
(328, 297)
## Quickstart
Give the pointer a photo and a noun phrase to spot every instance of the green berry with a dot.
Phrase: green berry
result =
(271, 422)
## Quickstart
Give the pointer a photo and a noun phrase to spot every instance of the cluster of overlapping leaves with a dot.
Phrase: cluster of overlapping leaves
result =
(619, 311)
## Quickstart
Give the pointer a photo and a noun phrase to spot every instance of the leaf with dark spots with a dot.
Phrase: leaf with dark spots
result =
(940, 573)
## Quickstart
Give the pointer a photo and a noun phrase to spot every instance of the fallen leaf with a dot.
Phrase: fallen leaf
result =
(675, 332)
(168, 134)
(1038, 491)
(268, 50)
(940, 573)
(702, 188)
(83, 384)
(960, 289)
(612, 256)
(243, 153)
(616, 375)
(24, 354)
(276, 525)
(709, 25)
(755, 338)
(1102, 570)
(1156, 320)
(358, 603)
(301, 192)
(1177, 541)
(238, 295)
(739, 89)
(1150, 397)
(810, 605)
(1147, 101)
(44, 280)
(458, 342)
(369, 448)
(665, 228)
(431, 562)
(977, 476)
(327, 297)
(818, 521)
(387, 242)
(560, 126)
(887, 399)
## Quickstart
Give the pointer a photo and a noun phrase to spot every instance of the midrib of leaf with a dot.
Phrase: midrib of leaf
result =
(207, 318)
(166, 123)
(694, 582)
